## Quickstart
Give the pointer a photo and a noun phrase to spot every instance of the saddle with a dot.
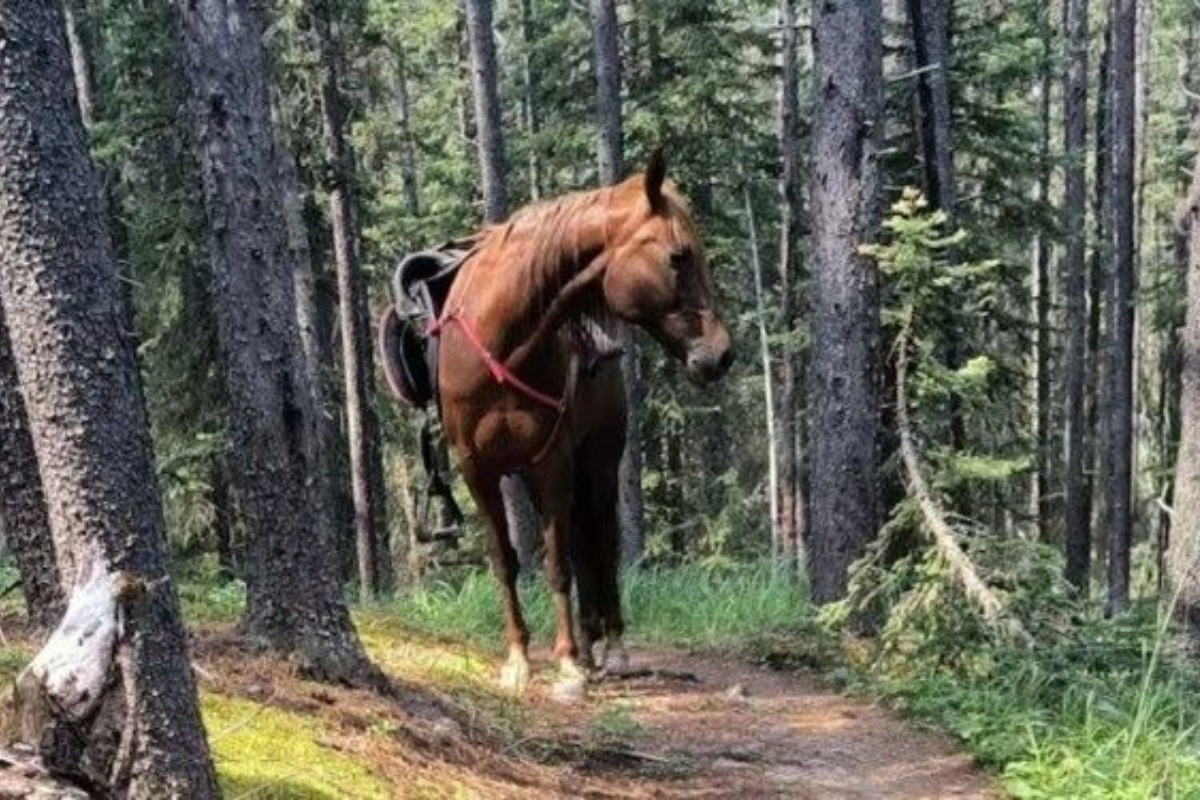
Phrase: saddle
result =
(419, 288)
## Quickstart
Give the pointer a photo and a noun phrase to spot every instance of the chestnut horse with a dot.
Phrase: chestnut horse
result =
(525, 388)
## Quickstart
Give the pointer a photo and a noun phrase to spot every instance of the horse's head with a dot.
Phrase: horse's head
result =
(657, 276)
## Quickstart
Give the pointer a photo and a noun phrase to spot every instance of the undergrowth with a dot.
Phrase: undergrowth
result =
(1092, 708)
(686, 606)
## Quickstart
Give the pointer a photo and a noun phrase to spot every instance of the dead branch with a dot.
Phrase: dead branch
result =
(961, 567)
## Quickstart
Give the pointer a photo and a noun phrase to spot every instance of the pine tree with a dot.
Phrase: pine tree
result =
(844, 381)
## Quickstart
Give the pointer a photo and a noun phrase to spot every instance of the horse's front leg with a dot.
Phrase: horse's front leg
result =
(485, 487)
(554, 484)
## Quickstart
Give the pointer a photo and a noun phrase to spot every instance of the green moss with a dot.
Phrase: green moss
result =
(268, 753)
(13, 659)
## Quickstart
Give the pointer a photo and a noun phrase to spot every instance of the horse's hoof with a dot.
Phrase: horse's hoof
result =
(571, 686)
(514, 676)
(617, 664)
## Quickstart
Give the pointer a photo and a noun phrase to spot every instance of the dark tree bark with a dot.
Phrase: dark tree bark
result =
(315, 315)
(606, 44)
(489, 131)
(930, 21)
(1077, 540)
(791, 520)
(1116, 465)
(294, 601)
(114, 704)
(1183, 553)
(23, 517)
(358, 372)
(844, 391)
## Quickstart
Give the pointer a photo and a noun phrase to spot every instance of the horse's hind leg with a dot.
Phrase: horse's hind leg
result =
(600, 540)
(485, 487)
(585, 565)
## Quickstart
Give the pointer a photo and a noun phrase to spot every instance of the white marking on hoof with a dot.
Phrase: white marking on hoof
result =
(571, 686)
(514, 676)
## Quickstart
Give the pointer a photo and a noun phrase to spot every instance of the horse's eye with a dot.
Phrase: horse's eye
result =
(679, 259)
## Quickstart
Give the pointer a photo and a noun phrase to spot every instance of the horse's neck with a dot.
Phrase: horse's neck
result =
(555, 291)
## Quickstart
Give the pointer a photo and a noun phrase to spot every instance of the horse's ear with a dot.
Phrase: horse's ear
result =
(656, 173)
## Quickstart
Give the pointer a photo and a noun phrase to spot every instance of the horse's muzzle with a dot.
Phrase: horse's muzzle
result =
(707, 364)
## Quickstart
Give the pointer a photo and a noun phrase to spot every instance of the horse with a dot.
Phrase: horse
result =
(529, 384)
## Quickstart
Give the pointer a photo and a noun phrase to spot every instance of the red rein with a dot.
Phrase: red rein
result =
(500, 373)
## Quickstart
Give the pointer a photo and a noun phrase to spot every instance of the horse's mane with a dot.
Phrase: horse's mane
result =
(548, 233)
(553, 228)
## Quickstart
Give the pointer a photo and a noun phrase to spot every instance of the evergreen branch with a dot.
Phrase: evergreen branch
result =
(944, 541)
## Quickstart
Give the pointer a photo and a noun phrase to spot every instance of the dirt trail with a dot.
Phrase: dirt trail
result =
(689, 726)
(702, 726)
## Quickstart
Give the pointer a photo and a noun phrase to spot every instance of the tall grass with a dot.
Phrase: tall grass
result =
(682, 606)
(1096, 715)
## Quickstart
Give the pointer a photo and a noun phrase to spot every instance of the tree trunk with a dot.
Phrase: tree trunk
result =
(1077, 542)
(844, 391)
(930, 20)
(1183, 554)
(1170, 396)
(228, 552)
(773, 494)
(294, 601)
(489, 135)
(408, 145)
(362, 428)
(1116, 474)
(606, 55)
(523, 526)
(315, 323)
(790, 515)
(1094, 430)
(529, 105)
(122, 716)
(23, 516)
(606, 44)
(1039, 505)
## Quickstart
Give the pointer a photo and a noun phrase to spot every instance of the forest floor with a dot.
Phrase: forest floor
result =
(690, 724)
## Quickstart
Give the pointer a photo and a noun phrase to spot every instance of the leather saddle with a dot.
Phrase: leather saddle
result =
(419, 287)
